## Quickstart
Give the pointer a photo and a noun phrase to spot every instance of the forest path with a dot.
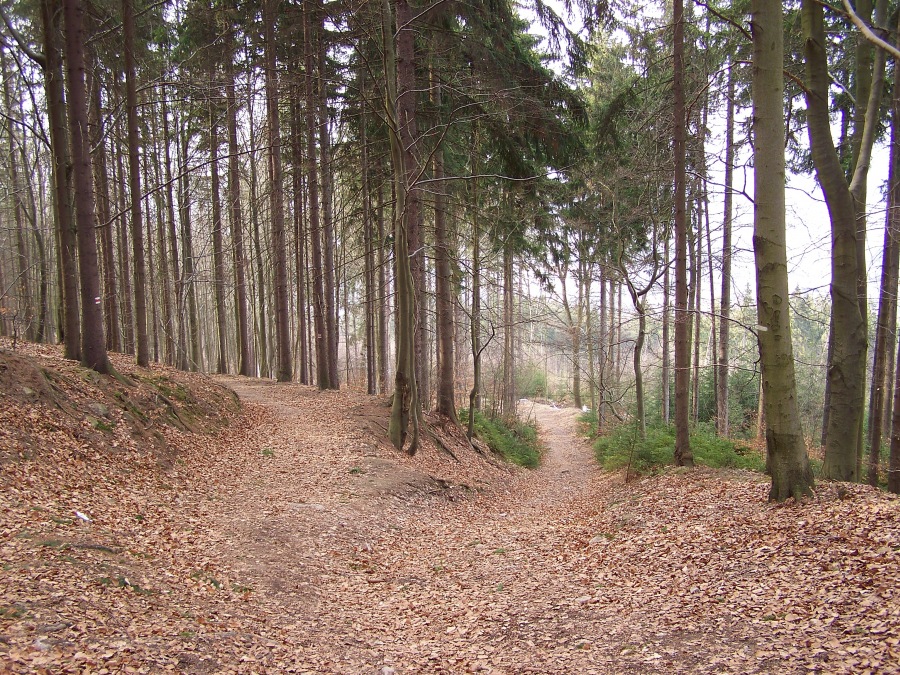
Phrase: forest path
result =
(363, 560)
(364, 564)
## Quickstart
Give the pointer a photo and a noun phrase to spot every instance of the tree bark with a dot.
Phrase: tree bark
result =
(787, 460)
(330, 272)
(59, 147)
(245, 350)
(722, 422)
(404, 410)
(93, 342)
(218, 247)
(25, 304)
(683, 454)
(846, 372)
(134, 167)
(323, 378)
(444, 324)
(279, 245)
(887, 303)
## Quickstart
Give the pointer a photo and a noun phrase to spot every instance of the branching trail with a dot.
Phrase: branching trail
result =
(365, 572)
(361, 562)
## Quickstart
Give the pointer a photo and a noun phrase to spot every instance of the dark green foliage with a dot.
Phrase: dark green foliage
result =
(615, 450)
(517, 443)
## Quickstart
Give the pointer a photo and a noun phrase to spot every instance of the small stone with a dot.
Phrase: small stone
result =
(99, 409)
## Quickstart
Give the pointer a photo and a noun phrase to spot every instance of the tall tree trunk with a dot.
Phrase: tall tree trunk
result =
(134, 166)
(187, 254)
(369, 246)
(475, 393)
(604, 353)
(323, 379)
(245, 349)
(509, 351)
(25, 305)
(218, 248)
(696, 279)
(787, 460)
(382, 294)
(276, 192)
(666, 334)
(683, 455)
(59, 147)
(446, 404)
(405, 408)
(406, 109)
(722, 423)
(124, 256)
(93, 342)
(847, 370)
(887, 302)
(299, 233)
(180, 326)
(162, 253)
(331, 315)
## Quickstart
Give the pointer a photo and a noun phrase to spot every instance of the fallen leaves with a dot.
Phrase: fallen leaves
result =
(297, 540)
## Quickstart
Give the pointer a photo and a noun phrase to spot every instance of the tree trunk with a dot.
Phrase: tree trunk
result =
(299, 233)
(218, 248)
(25, 304)
(382, 296)
(846, 372)
(408, 131)
(604, 353)
(134, 166)
(195, 361)
(323, 379)
(276, 192)
(331, 316)
(683, 455)
(245, 353)
(787, 460)
(509, 355)
(62, 184)
(722, 422)
(475, 393)
(93, 342)
(887, 302)
(369, 246)
(446, 405)
(666, 334)
(406, 404)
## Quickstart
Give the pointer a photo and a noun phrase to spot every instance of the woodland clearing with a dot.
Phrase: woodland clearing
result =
(140, 533)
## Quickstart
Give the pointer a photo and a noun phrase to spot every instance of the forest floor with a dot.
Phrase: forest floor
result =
(297, 540)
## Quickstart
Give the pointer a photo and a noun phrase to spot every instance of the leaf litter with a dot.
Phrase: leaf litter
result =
(297, 540)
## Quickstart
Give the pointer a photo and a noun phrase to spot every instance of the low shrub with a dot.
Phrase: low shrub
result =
(517, 443)
(623, 445)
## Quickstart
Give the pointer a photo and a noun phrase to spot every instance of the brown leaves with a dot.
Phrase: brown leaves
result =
(298, 540)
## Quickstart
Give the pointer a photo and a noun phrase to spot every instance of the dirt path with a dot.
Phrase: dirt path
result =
(362, 568)
(364, 561)
(298, 540)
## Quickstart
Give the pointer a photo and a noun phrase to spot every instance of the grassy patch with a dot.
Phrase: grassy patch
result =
(615, 450)
(517, 442)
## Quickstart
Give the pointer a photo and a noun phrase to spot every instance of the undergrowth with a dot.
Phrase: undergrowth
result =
(517, 443)
(623, 446)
